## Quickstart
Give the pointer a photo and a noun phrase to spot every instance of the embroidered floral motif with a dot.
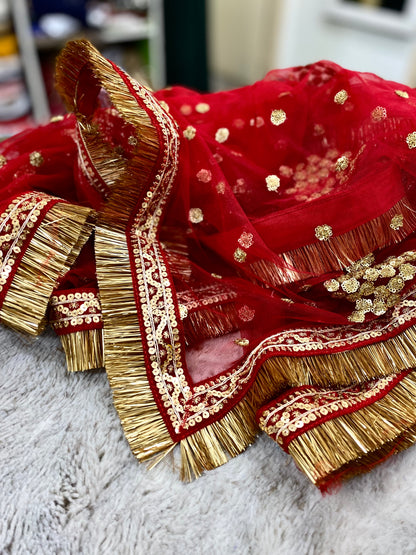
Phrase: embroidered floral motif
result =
(204, 176)
(272, 182)
(341, 164)
(341, 97)
(222, 135)
(323, 232)
(396, 222)
(36, 159)
(246, 313)
(196, 215)
(411, 140)
(379, 113)
(240, 255)
(246, 239)
(278, 117)
(189, 132)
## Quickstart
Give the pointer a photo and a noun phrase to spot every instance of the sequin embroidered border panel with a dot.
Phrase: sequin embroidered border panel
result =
(308, 407)
(18, 224)
(75, 311)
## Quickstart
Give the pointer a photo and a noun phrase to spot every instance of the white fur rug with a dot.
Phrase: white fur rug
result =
(69, 484)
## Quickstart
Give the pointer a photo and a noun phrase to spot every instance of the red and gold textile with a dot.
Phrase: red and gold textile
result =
(252, 265)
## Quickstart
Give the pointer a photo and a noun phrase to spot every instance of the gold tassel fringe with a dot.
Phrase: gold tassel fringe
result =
(51, 252)
(340, 251)
(355, 442)
(348, 367)
(83, 350)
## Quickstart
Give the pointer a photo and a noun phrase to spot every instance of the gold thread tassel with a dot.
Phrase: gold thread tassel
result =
(51, 252)
(83, 350)
(353, 443)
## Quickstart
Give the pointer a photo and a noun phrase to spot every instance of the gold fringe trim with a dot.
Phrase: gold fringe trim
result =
(348, 367)
(352, 443)
(340, 251)
(83, 350)
(124, 360)
(80, 61)
(51, 252)
(215, 444)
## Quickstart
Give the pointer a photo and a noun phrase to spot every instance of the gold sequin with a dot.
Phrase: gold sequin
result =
(189, 132)
(332, 285)
(358, 316)
(239, 255)
(341, 164)
(402, 94)
(222, 135)
(183, 311)
(36, 159)
(272, 182)
(397, 220)
(323, 232)
(196, 215)
(278, 117)
(132, 140)
(3, 160)
(246, 239)
(350, 285)
(407, 271)
(379, 113)
(411, 140)
(202, 107)
(243, 342)
(341, 97)
(204, 176)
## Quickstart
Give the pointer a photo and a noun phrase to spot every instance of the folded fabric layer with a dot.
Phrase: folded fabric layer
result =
(254, 252)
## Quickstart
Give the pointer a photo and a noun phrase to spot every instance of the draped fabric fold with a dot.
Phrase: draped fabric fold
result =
(237, 261)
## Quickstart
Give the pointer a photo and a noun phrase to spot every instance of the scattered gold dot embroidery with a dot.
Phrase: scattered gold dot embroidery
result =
(55, 119)
(402, 94)
(186, 109)
(3, 160)
(379, 113)
(341, 97)
(278, 117)
(411, 140)
(341, 164)
(246, 240)
(202, 107)
(396, 222)
(258, 121)
(222, 135)
(196, 215)
(204, 176)
(189, 132)
(183, 311)
(221, 187)
(132, 140)
(323, 232)
(243, 342)
(36, 159)
(246, 313)
(272, 182)
(240, 255)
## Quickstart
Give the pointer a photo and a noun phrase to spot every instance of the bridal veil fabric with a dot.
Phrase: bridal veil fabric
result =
(238, 262)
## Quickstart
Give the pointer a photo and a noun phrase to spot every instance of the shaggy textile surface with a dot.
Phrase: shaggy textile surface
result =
(70, 485)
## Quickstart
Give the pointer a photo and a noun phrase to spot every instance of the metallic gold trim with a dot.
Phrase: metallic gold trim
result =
(354, 442)
(83, 350)
(51, 252)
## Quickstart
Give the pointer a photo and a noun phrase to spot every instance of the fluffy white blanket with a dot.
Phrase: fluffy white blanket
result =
(69, 484)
